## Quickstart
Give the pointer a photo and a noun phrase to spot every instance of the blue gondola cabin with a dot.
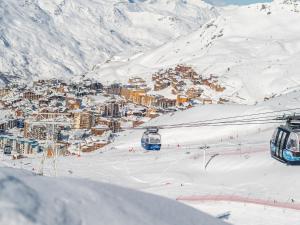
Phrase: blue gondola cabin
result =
(284, 144)
(151, 140)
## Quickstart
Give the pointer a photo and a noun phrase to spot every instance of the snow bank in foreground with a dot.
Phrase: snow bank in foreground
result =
(29, 199)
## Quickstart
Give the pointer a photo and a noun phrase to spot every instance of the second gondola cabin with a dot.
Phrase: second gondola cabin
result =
(151, 139)
(284, 144)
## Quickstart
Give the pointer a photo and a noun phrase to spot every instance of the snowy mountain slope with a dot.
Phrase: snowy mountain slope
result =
(58, 38)
(74, 201)
(253, 49)
(238, 163)
(214, 135)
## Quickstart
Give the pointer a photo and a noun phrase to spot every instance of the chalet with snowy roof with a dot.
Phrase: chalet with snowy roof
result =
(137, 81)
(148, 100)
(39, 82)
(82, 93)
(38, 132)
(94, 145)
(133, 94)
(82, 119)
(19, 145)
(165, 103)
(44, 102)
(178, 88)
(11, 102)
(113, 108)
(60, 89)
(113, 124)
(19, 113)
(30, 95)
(181, 99)
(223, 101)
(96, 86)
(4, 92)
(152, 113)
(206, 101)
(7, 120)
(186, 72)
(161, 84)
(8, 123)
(194, 92)
(73, 103)
(113, 89)
(99, 130)
(155, 77)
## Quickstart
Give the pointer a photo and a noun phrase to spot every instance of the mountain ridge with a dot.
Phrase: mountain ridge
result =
(62, 38)
(232, 47)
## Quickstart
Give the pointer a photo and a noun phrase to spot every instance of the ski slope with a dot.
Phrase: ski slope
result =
(237, 176)
(254, 50)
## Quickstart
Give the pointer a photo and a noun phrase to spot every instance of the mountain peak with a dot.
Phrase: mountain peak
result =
(67, 38)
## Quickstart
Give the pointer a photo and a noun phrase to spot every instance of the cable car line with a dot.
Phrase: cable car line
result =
(223, 123)
(242, 116)
(151, 139)
(226, 122)
(243, 121)
(263, 119)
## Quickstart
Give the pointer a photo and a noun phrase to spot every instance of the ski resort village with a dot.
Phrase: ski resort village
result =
(143, 112)
(85, 116)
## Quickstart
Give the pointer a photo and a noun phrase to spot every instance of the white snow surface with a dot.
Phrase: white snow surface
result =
(238, 163)
(30, 199)
(255, 51)
(60, 38)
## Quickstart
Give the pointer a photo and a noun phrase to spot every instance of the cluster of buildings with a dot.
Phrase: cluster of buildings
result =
(19, 145)
(185, 83)
(172, 88)
(54, 115)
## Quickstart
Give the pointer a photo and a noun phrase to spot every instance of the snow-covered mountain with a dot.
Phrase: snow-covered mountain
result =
(113, 40)
(30, 199)
(58, 38)
(254, 50)
(240, 178)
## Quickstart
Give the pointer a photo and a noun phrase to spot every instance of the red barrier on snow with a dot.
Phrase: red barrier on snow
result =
(235, 198)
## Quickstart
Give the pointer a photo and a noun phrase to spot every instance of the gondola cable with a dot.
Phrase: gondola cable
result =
(151, 139)
(225, 118)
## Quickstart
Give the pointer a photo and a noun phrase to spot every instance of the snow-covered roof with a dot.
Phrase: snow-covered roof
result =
(5, 115)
